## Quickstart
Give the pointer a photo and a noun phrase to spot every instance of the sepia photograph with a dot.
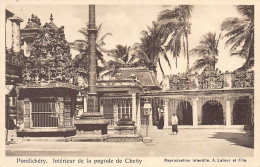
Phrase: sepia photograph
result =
(117, 80)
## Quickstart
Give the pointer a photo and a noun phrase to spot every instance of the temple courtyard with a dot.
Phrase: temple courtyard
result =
(190, 142)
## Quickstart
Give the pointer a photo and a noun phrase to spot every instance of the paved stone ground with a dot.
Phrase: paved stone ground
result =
(188, 143)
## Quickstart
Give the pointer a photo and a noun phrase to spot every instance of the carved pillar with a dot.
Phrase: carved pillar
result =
(101, 108)
(27, 112)
(199, 111)
(134, 107)
(115, 112)
(166, 113)
(16, 35)
(61, 111)
(224, 107)
(138, 119)
(85, 104)
(228, 112)
(195, 112)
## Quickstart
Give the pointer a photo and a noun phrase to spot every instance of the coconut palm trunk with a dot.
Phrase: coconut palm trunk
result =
(187, 52)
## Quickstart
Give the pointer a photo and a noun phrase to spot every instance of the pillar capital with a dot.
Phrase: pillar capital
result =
(16, 19)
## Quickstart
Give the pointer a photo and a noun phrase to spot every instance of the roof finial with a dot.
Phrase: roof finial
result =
(51, 18)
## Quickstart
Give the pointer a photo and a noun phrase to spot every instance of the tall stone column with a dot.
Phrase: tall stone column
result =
(166, 113)
(195, 112)
(134, 107)
(92, 95)
(92, 120)
(16, 35)
(228, 112)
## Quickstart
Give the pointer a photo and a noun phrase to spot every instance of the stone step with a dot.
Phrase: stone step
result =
(125, 138)
(208, 127)
(89, 138)
(45, 139)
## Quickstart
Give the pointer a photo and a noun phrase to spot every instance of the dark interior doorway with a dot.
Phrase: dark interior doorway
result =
(212, 113)
(184, 113)
(241, 112)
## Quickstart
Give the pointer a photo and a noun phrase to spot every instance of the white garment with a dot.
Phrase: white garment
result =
(174, 120)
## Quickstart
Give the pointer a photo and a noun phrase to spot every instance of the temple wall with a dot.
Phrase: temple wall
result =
(225, 102)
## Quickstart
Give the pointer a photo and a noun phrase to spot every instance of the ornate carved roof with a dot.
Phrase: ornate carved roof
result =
(50, 59)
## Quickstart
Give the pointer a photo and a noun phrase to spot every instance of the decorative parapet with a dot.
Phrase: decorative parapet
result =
(209, 80)
(213, 80)
(42, 74)
(182, 82)
(242, 79)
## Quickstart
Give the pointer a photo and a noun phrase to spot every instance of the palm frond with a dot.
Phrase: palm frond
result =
(101, 41)
(246, 11)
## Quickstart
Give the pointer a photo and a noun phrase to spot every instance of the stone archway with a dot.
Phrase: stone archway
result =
(241, 112)
(184, 113)
(212, 113)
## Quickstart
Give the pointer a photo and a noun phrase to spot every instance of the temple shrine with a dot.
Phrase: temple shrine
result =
(55, 98)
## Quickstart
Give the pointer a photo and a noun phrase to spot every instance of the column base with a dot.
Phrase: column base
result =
(147, 140)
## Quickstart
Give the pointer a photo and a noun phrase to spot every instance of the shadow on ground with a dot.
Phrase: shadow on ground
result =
(240, 139)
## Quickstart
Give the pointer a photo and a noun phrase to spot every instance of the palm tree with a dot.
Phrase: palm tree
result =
(121, 54)
(240, 34)
(81, 60)
(176, 22)
(151, 49)
(207, 50)
(121, 57)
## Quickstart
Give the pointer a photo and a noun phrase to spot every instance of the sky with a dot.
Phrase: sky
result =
(126, 22)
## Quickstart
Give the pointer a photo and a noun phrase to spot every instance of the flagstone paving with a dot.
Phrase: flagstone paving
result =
(188, 143)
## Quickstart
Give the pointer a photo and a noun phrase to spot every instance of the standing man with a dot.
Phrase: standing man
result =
(174, 124)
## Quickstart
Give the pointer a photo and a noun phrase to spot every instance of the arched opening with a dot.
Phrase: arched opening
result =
(212, 112)
(184, 113)
(241, 112)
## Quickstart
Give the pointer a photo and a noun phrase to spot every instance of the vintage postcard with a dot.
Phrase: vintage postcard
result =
(129, 83)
